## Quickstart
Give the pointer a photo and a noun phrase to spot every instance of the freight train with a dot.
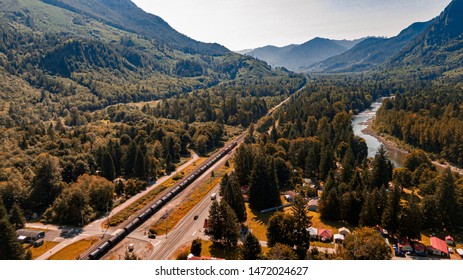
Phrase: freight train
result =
(120, 234)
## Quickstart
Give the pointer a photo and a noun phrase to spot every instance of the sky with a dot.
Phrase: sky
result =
(248, 24)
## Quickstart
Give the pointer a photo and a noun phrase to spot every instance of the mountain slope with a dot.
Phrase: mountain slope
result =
(295, 57)
(125, 15)
(440, 45)
(369, 53)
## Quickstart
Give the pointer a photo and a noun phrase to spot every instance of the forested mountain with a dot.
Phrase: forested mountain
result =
(88, 95)
(369, 53)
(125, 15)
(440, 45)
(297, 57)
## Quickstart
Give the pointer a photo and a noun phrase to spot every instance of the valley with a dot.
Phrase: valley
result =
(122, 138)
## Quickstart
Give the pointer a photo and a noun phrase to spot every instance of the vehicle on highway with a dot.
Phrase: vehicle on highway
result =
(213, 196)
(195, 217)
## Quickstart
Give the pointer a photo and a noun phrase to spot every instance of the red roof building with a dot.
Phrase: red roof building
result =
(325, 234)
(438, 246)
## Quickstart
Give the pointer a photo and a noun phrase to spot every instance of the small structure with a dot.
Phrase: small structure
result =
(460, 252)
(325, 235)
(29, 235)
(438, 247)
(339, 238)
(313, 233)
(312, 205)
(419, 249)
(38, 243)
(405, 245)
(344, 231)
(449, 240)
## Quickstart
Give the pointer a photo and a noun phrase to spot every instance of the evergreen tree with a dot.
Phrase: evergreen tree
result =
(449, 209)
(326, 161)
(17, 219)
(169, 165)
(46, 182)
(369, 213)
(391, 214)
(107, 166)
(381, 173)
(231, 229)
(243, 163)
(301, 223)
(139, 164)
(129, 158)
(263, 185)
(231, 193)
(215, 229)
(3, 211)
(10, 248)
(251, 248)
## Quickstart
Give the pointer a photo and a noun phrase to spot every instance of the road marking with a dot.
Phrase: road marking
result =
(157, 243)
(194, 233)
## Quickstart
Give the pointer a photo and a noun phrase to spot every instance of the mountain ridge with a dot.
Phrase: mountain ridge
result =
(295, 57)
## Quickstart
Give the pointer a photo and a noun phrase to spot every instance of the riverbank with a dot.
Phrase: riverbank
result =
(399, 149)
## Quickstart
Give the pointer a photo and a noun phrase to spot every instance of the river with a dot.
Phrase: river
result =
(360, 123)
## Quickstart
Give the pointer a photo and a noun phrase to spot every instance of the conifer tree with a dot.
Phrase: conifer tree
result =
(263, 185)
(17, 219)
(10, 248)
(107, 166)
(129, 158)
(251, 248)
(139, 164)
(231, 193)
(390, 217)
(196, 247)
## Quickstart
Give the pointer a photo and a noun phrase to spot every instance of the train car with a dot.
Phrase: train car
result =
(117, 236)
(95, 254)
(104, 248)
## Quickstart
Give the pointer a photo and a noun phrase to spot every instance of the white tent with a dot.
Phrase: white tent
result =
(344, 231)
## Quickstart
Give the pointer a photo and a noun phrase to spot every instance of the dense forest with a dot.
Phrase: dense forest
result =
(428, 116)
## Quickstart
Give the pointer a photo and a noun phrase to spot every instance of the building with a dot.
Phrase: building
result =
(325, 235)
(29, 235)
(339, 238)
(449, 240)
(438, 247)
(312, 205)
(344, 231)
(405, 245)
(313, 232)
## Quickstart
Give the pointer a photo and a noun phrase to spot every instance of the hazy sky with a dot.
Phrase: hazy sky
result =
(243, 24)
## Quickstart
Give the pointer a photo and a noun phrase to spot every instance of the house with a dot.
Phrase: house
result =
(313, 232)
(405, 245)
(344, 231)
(438, 247)
(312, 205)
(29, 235)
(449, 240)
(339, 238)
(419, 249)
(325, 235)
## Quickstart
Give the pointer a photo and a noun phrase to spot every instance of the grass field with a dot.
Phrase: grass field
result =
(74, 250)
(38, 251)
(186, 206)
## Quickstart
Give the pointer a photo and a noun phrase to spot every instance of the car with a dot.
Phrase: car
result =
(195, 217)
(152, 236)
